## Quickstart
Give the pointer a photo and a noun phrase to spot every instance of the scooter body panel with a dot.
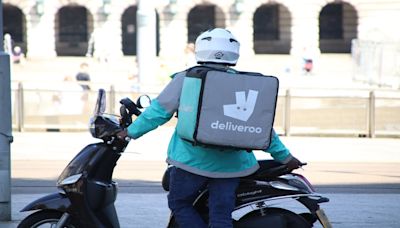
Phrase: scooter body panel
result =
(94, 193)
(55, 201)
(268, 188)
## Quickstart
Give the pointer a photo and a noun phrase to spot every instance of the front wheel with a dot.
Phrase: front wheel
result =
(46, 218)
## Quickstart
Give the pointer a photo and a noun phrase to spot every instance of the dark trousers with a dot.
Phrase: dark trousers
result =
(184, 189)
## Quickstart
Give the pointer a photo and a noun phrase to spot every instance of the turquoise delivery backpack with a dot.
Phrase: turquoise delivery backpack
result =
(227, 109)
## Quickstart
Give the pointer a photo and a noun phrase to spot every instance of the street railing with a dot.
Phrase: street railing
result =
(334, 112)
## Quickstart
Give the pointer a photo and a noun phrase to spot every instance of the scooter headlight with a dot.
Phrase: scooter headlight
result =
(70, 180)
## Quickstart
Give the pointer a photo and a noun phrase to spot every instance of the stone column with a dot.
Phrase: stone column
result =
(241, 26)
(173, 40)
(305, 29)
(107, 36)
(146, 44)
(41, 33)
(173, 35)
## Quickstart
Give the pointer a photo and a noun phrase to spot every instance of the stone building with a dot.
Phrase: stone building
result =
(80, 27)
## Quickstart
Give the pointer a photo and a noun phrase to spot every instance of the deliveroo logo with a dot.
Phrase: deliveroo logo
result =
(243, 108)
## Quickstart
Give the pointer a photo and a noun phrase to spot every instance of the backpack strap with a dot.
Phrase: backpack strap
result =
(198, 71)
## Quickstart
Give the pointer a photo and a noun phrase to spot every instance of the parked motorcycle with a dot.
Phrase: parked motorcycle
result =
(86, 190)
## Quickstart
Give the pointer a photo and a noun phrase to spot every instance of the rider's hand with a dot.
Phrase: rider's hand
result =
(293, 163)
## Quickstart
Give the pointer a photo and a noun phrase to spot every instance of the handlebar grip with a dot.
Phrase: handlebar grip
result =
(130, 106)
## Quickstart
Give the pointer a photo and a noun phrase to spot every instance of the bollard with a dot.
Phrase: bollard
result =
(371, 115)
(287, 112)
(20, 107)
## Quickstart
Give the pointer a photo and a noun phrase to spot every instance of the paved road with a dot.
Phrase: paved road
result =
(344, 210)
(359, 175)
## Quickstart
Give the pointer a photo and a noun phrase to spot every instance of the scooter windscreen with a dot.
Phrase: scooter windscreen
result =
(100, 106)
(103, 125)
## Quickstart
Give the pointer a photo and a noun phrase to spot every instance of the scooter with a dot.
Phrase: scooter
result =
(262, 197)
(86, 190)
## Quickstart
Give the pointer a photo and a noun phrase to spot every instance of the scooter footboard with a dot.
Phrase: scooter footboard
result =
(55, 201)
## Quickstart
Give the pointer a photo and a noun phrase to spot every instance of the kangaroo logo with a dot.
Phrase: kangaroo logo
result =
(243, 108)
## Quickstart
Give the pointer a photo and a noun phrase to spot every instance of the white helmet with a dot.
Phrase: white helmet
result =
(217, 46)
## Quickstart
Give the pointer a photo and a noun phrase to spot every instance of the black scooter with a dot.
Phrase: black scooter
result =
(87, 191)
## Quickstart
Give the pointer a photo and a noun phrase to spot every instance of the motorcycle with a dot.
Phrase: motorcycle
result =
(88, 193)
(86, 190)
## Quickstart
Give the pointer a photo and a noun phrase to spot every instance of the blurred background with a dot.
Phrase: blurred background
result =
(338, 62)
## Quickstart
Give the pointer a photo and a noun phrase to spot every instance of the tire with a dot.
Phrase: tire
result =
(43, 218)
(272, 217)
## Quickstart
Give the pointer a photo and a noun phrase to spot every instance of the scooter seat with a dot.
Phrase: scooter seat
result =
(269, 169)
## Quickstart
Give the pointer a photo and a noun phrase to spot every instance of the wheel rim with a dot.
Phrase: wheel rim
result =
(48, 223)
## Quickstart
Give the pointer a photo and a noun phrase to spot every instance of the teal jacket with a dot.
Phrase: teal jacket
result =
(205, 161)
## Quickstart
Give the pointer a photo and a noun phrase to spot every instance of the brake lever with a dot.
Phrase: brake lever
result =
(126, 118)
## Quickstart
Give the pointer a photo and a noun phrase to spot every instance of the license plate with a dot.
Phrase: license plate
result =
(323, 219)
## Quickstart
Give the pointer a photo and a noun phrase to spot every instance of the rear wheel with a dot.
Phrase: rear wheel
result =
(272, 217)
(46, 218)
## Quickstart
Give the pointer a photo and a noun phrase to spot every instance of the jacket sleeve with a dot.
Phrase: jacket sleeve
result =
(278, 150)
(161, 109)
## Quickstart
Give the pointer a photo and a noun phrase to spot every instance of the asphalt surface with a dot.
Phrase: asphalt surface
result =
(359, 175)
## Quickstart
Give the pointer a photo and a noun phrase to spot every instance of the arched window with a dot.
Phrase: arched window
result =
(266, 23)
(331, 22)
(74, 25)
(14, 24)
(271, 35)
(337, 27)
(202, 18)
(129, 31)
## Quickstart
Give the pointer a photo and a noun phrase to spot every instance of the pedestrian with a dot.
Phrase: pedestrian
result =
(196, 167)
(18, 55)
(83, 76)
(308, 60)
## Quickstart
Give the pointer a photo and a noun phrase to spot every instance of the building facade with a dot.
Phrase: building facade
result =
(105, 27)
